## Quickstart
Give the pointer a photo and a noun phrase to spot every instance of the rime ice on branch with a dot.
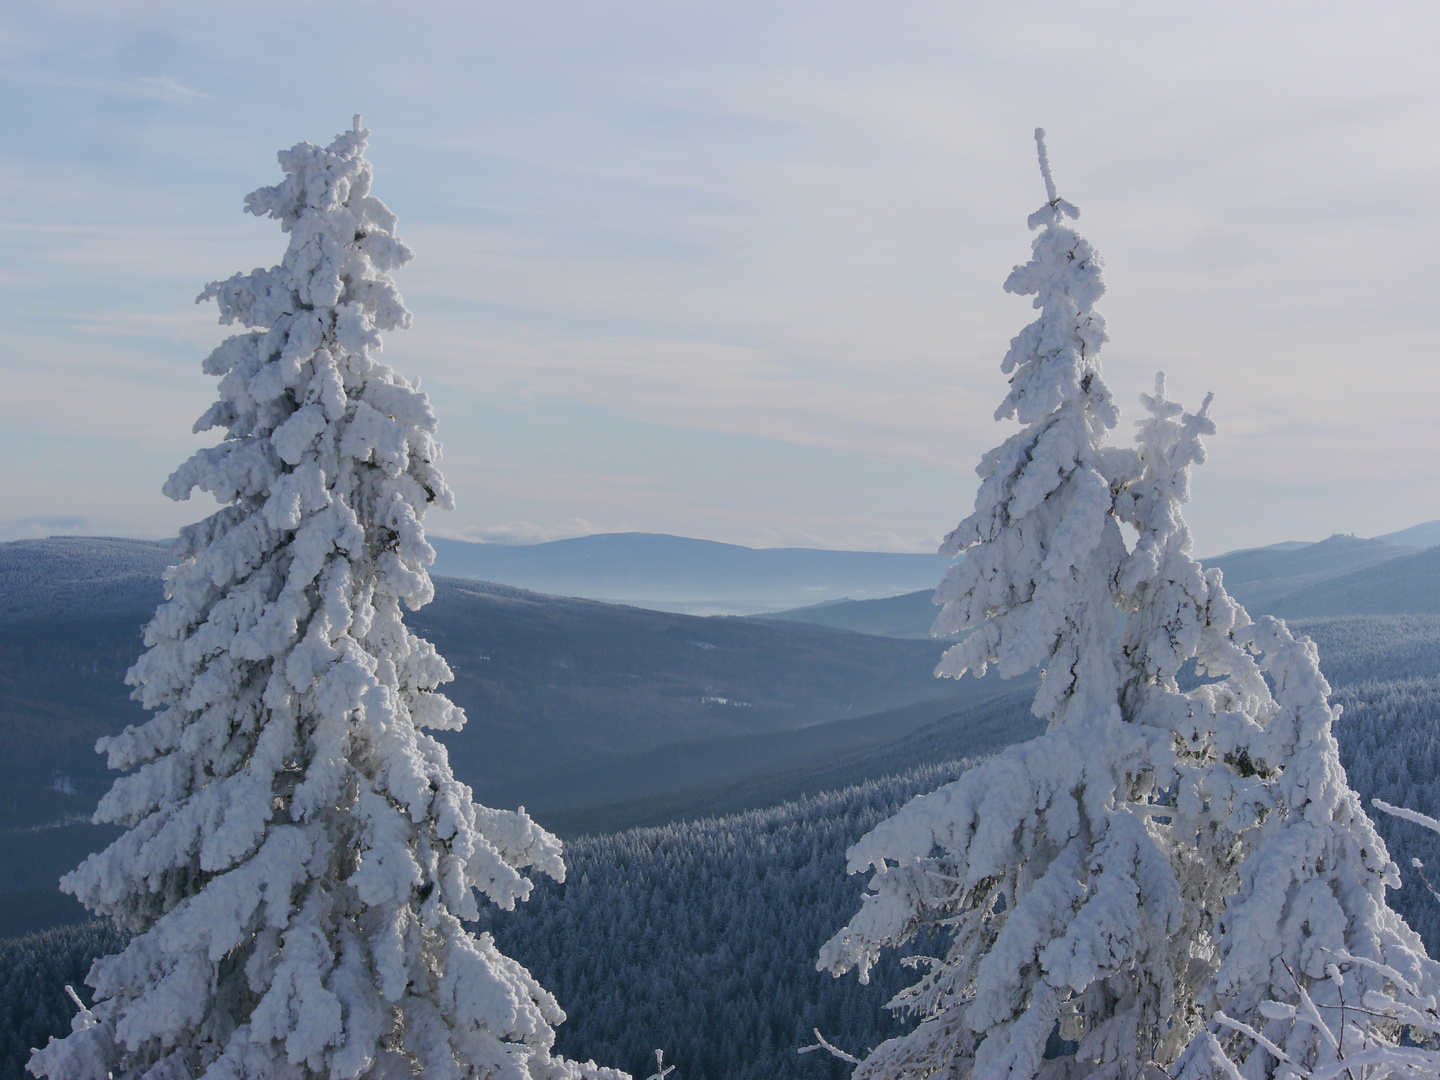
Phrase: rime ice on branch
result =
(298, 855)
(1103, 891)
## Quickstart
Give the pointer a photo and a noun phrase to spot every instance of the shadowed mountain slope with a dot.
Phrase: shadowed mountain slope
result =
(568, 699)
(1260, 577)
(1409, 585)
(556, 685)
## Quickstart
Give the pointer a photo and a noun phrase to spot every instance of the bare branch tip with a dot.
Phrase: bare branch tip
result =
(1050, 196)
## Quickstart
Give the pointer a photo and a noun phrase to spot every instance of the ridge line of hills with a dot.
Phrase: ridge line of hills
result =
(654, 570)
(599, 717)
(1342, 575)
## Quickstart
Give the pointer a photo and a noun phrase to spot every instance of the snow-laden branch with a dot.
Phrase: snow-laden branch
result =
(1407, 815)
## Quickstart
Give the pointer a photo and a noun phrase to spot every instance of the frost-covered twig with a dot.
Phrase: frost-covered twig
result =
(1419, 819)
(825, 1044)
(1376, 1058)
(1249, 1032)
(661, 1069)
(1407, 815)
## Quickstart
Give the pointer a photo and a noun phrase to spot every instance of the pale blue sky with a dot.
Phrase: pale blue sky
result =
(733, 270)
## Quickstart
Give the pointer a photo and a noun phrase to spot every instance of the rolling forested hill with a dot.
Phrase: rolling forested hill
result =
(697, 935)
(700, 937)
(571, 702)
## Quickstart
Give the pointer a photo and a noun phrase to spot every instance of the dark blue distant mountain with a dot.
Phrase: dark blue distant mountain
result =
(1344, 575)
(677, 573)
(1419, 536)
(1260, 577)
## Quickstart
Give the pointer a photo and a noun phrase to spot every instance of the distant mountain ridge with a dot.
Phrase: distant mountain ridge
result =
(1341, 575)
(1424, 535)
(678, 573)
(1260, 577)
(88, 577)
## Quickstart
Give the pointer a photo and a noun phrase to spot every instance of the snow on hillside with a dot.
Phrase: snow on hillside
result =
(80, 577)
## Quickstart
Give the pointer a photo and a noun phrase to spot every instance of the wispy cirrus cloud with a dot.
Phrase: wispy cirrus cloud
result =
(734, 269)
(186, 327)
(520, 532)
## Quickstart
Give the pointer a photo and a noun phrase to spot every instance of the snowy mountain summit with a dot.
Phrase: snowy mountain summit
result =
(299, 855)
(1157, 884)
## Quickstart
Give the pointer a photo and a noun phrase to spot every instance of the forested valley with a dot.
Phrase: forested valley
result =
(699, 937)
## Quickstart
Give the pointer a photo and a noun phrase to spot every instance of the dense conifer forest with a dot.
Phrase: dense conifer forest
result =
(699, 938)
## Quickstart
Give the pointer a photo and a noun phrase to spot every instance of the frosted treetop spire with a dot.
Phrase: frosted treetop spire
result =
(1042, 515)
(1054, 207)
(1044, 165)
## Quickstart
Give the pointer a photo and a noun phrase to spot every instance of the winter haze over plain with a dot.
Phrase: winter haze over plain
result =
(733, 270)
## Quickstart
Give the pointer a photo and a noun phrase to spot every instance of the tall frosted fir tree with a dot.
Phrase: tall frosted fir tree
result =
(1105, 897)
(298, 854)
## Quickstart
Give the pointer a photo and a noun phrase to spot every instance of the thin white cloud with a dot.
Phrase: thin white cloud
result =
(520, 532)
(777, 224)
(163, 87)
(147, 88)
(195, 327)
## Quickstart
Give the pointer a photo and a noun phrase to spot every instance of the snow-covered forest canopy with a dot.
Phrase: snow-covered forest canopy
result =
(702, 936)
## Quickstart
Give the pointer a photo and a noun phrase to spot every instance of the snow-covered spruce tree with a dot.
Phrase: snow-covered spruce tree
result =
(1286, 875)
(298, 855)
(1309, 946)
(1338, 1039)
(1094, 883)
(1041, 866)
